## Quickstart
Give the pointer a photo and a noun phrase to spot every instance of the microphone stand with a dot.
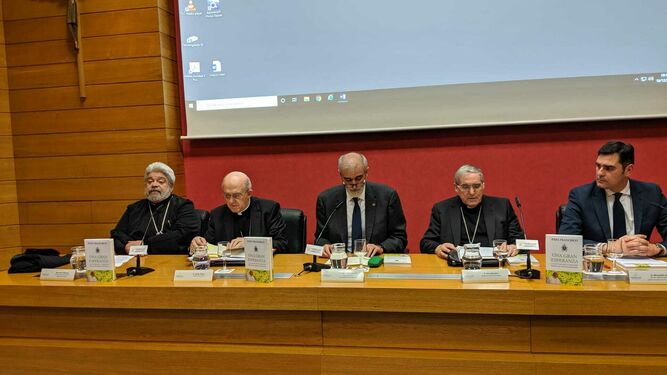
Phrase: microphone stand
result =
(528, 272)
(314, 266)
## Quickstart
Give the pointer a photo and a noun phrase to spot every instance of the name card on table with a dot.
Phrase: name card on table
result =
(57, 274)
(100, 261)
(193, 275)
(530, 245)
(497, 275)
(342, 276)
(647, 275)
(314, 250)
(139, 250)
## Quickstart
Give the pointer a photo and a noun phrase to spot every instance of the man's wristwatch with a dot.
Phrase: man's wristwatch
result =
(663, 250)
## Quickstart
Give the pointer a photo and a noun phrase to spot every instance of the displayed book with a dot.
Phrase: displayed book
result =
(397, 259)
(259, 259)
(100, 259)
(564, 259)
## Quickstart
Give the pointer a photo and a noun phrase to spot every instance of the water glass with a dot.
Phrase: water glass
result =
(614, 251)
(593, 259)
(360, 250)
(338, 256)
(472, 258)
(223, 253)
(78, 259)
(500, 251)
(200, 258)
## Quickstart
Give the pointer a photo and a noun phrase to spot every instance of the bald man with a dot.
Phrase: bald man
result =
(243, 215)
(379, 216)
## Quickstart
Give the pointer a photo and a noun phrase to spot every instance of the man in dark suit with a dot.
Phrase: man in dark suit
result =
(243, 215)
(470, 217)
(616, 207)
(360, 209)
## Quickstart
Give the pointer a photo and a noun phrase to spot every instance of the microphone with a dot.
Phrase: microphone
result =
(527, 273)
(314, 266)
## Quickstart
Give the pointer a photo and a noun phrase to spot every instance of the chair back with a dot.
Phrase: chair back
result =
(204, 217)
(559, 215)
(295, 221)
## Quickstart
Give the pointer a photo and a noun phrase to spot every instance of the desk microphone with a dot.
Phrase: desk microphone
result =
(314, 266)
(527, 273)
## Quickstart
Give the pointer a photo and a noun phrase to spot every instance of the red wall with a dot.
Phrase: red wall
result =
(539, 163)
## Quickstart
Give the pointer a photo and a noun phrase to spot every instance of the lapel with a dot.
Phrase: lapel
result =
(454, 218)
(371, 205)
(339, 221)
(226, 222)
(600, 206)
(488, 211)
(637, 205)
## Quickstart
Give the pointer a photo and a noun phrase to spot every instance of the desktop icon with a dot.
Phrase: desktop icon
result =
(306, 99)
(191, 39)
(294, 99)
(342, 96)
(213, 5)
(282, 100)
(216, 66)
(318, 98)
(194, 67)
(190, 7)
(330, 97)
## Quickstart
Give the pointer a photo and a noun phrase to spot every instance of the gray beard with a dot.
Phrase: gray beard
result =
(158, 198)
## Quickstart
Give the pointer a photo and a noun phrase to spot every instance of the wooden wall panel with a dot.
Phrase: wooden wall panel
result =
(7, 168)
(5, 124)
(89, 153)
(9, 214)
(95, 119)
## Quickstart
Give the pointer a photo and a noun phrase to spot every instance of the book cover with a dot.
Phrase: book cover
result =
(100, 261)
(259, 259)
(564, 259)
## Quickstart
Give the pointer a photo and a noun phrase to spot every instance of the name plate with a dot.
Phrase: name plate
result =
(314, 250)
(498, 275)
(139, 250)
(531, 245)
(342, 276)
(648, 276)
(193, 275)
(57, 274)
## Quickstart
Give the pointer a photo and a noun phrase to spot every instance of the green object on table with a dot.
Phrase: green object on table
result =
(375, 261)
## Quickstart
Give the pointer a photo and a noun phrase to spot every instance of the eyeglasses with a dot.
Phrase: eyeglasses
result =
(161, 181)
(353, 180)
(466, 187)
(234, 196)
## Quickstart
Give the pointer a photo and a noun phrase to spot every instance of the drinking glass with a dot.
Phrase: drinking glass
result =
(200, 258)
(224, 252)
(472, 258)
(614, 251)
(78, 259)
(360, 251)
(593, 259)
(338, 256)
(500, 251)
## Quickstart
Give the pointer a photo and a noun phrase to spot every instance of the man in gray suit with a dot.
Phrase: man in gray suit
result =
(360, 209)
(470, 217)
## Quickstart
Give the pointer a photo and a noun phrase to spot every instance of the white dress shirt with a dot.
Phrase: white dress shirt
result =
(350, 210)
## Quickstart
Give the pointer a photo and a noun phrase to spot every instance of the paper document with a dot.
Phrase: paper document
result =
(486, 252)
(521, 259)
(119, 260)
(638, 262)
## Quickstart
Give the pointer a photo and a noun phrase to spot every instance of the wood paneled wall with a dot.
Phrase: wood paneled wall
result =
(80, 162)
(10, 239)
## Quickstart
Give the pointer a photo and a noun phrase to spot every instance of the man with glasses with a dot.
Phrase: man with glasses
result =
(358, 209)
(470, 217)
(243, 215)
(163, 221)
(617, 207)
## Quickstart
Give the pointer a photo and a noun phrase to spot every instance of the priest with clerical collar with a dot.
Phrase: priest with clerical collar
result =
(243, 215)
(470, 217)
(165, 222)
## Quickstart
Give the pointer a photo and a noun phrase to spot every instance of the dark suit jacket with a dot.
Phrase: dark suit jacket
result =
(586, 213)
(265, 221)
(385, 222)
(445, 225)
(181, 226)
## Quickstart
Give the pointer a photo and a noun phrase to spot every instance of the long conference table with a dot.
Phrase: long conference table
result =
(151, 324)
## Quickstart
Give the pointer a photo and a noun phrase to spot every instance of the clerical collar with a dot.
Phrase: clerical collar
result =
(240, 213)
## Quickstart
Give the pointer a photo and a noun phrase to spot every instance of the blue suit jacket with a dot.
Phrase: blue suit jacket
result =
(385, 222)
(586, 213)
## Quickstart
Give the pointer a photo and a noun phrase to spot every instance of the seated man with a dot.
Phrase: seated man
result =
(163, 221)
(371, 211)
(617, 207)
(470, 217)
(243, 215)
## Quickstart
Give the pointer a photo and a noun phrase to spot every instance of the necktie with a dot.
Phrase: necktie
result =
(356, 220)
(619, 217)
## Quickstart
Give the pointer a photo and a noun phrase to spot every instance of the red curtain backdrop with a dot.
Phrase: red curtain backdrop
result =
(538, 163)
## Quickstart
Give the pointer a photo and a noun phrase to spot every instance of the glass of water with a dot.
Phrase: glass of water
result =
(338, 256)
(200, 258)
(593, 259)
(614, 251)
(360, 250)
(500, 251)
(472, 258)
(224, 252)
(78, 259)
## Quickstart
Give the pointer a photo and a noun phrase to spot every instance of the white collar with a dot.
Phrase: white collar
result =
(361, 195)
(625, 191)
